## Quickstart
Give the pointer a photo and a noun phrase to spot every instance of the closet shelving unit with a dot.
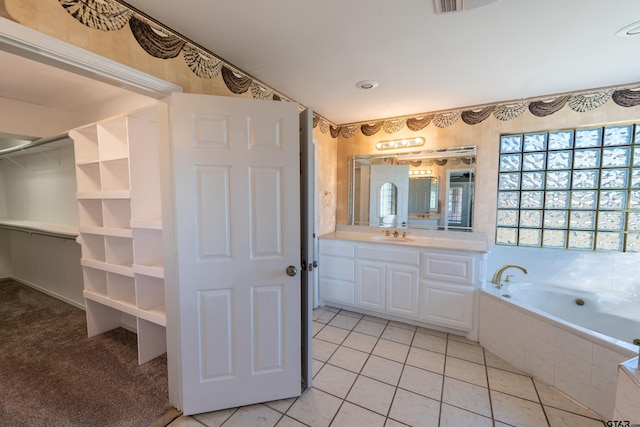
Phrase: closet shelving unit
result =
(118, 192)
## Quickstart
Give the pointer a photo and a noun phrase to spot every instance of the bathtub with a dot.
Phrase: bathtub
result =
(612, 315)
(541, 330)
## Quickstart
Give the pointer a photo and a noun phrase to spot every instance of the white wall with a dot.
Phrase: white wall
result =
(42, 187)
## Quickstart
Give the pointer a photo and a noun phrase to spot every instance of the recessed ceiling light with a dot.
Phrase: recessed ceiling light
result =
(367, 84)
(629, 30)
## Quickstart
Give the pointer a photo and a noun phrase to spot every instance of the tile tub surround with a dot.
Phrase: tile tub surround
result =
(628, 392)
(374, 372)
(582, 368)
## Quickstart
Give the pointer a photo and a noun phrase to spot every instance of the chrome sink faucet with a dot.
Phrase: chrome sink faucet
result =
(497, 276)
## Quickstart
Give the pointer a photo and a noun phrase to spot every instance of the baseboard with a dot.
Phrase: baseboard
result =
(45, 291)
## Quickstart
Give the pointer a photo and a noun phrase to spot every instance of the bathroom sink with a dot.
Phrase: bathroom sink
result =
(392, 239)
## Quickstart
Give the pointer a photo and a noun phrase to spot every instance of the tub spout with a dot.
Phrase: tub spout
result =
(497, 276)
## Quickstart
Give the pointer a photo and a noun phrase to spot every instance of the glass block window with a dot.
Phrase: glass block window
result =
(571, 189)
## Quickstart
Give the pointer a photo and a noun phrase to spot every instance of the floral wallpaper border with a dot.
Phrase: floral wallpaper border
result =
(160, 42)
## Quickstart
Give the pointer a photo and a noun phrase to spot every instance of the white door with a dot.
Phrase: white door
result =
(232, 221)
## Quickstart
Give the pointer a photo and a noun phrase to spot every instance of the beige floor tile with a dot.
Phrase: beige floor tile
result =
(184, 421)
(431, 332)
(462, 339)
(343, 321)
(425, 359)
(384, 370)
(376, 319)
(332, 334)
(403, 325)
(496, 362)
(394, 423)
(391, 350)
(466, 396)
(470, 352)
(316, 327)
(398, 334)
(549, 396)
(281, 405)
(430, 342)
(351, 415)
(352, 314)
(322, 350)
(315, 408)
(466, 371)
(316, 365)
(254, 415)
(348, 358)
(334, 380)
(518, 412)
(415, 410)
(289, 422)
(513, 384)
(325, 316)
(372, 394)
(450, 416)
(216, 418)
(370, 327)
(425, 383)
(360, 341)
(560, 418)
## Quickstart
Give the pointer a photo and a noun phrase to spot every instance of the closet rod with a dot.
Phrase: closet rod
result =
(35, 143)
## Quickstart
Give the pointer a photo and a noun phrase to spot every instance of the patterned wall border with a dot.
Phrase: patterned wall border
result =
(161, 42)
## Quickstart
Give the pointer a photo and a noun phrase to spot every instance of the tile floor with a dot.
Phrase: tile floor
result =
(373, 372)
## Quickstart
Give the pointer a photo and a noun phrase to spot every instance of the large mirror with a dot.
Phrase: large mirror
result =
(431, 189)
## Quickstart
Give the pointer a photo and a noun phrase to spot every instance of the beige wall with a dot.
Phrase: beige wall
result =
(485, 136)
(326, 162)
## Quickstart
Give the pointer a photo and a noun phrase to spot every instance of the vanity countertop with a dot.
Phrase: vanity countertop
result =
(473, 242)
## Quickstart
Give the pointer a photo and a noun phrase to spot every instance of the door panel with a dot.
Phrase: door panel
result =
(233, 212)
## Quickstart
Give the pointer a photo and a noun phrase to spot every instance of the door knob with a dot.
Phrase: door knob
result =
(292, 271)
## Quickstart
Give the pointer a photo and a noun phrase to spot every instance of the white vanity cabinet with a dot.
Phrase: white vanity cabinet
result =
(337, 272)
(433, 286)
(447, 288)
(387, 279)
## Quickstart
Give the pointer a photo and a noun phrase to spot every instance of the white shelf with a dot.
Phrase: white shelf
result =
(111, 268)
(118, 192)
(149, 270)
(156, 315)
(41, 227)
(105, 231)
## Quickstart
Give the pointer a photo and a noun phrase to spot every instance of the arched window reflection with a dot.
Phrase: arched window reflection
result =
(388, 202)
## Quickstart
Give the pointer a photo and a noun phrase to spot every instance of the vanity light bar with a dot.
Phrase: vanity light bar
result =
(400, 143)
(421, 172)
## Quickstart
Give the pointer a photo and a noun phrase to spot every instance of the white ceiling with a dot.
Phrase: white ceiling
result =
(315, 52)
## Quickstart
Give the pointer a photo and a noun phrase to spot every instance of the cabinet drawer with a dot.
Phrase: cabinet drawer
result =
(340, 248)
(382, 252)
(449, 268)
(337, 268)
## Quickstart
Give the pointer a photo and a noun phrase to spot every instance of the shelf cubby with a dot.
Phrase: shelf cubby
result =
(147, 245)
(95, 281)
(113, 139)
(115, 175)
(93, 247)
(85, 144)
(121, 288)
(118, 251)
(117, 213)
(90, 213)
(88, 177)
(149, 293)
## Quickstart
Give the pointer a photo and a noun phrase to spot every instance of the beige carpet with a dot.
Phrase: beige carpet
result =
(51, 374)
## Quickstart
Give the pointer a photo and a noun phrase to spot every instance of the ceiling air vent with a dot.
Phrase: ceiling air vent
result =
(446, 6)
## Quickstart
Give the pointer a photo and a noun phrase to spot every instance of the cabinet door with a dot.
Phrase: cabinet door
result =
(402, 290)
(447, 305)
(370, 285)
